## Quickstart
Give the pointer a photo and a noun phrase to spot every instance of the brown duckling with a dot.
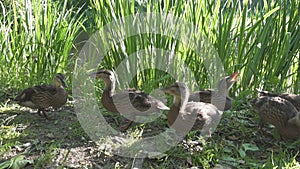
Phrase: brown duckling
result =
(44, 96)
(218, 98)
(184, 115)
(130, 102)
(280, 113)
(293, 98)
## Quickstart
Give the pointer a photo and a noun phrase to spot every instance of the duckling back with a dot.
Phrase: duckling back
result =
(293, 98)
(42, 96)
(196, 116)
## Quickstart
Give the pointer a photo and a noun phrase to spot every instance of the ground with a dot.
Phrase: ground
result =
(62, 143)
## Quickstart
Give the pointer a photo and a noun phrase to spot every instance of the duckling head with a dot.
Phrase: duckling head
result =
(106, 75)
(180, 92)
(59, 80)
(227, 82)
(176, 89)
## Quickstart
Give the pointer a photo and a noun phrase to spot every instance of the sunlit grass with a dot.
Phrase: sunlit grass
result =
(8, 139)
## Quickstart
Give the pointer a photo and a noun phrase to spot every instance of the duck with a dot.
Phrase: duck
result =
(185, 115)
(220, 97)
(293, 98)
(44, 96)
(129, 102)
(279, 112)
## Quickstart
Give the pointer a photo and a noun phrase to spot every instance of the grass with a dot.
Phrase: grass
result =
(38, 39)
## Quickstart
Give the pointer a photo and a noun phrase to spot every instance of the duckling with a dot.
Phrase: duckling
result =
(130, 102)
(280, 113)
(218, 98)
(293, 98)
(44, 96)
(184, 115)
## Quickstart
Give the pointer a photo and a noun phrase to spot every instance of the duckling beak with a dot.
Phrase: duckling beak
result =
(165, 89)
(64, 83)
(94, 74)
(233, 77)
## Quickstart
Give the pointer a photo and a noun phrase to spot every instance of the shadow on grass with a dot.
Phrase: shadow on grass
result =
(62, 142)
(59, 142)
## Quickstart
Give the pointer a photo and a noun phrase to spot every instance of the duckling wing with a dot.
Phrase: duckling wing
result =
(33, 96)
(143, 102)
(204, 115)
(44, 95)
(132, 100)
(210, 96)
(202, 96)
(25, 95)
(140, 100)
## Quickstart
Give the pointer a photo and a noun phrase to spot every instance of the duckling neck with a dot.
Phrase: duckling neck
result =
(177, 101)
(110, 87)
(222, 92)
(182, 100)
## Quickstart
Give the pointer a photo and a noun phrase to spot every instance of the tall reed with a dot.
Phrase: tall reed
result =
(35, 40)
(259, 39)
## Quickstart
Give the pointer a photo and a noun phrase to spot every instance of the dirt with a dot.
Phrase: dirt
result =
(62, 143)
(59, 142)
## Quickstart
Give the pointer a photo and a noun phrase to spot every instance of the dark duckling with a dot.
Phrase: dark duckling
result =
(44, 96)
(280, 113)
